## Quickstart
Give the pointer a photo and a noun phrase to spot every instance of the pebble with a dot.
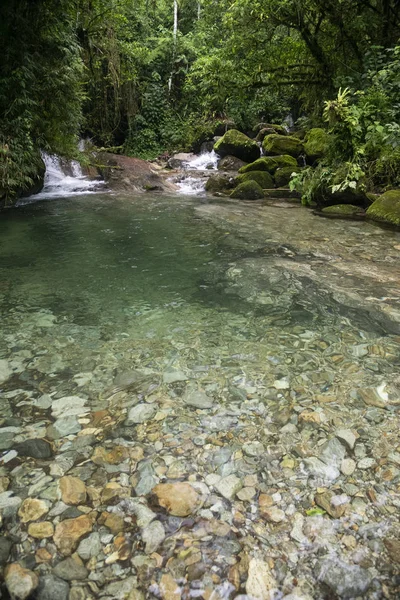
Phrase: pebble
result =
(73, 490)
(71, 568)
(348, 466)
(5, 548)
(20, 582)
(32, 509)
(5, 371)
(197, 399)
(345, 580)
(366, 463)
(153, 536)
(35, 448)
(52, 588)
(90, 546)
(260, 584)
(179, 499)
(140, 414)
(347, 437)
(69, 532)
(229, 486)
(274, 514)
(63, 427)
(41, 530)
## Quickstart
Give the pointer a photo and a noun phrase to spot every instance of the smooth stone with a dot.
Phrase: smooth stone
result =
(32, 509)
(332, 453)
(366, 463)
(173, 375)
(9, 504)
(69, 532)
(73, 490)
(246, 494)
(52, 588)
(153, 536)
(123, 590)
(347, 581)
(7, 436)
(179, 499)
(140, 414)
(68, 406)
(327, 503)
(5, 549)
(197, 399)
(170, 590)
(253, 449)
(90, 546)
(260, 584)
(319, 469)
(63, 427)
(20, 582)
(41, 530)
(5, 371)
(71, 568)
(229, 486)
(35, 448)
(347, 437)
(274, 514)
(348, 466)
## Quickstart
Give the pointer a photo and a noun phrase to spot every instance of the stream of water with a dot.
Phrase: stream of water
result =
(170, 339)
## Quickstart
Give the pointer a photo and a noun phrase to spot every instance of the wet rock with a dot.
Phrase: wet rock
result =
(321, 470)
(123, 590)
(393, 549)
(68, 406)
(35, 448)
(229, 486)
(174, 375)
(5, 549)
(197, 399)
(328, 502)
(274, 514)
(71, 568)
(52, 588)
(347, 581)
(5, 371)
(7, 435)
(260, 584)
(41, 530)
(347, 437)
(9, 504)
(73, 490)
(179, 499)
(253, 449)
(153, 536)
(69, 532)
(348, 466)
(169, 588)
(140, 414)
(32, 509)
(90, 546)
(332, 453)
(63, 427)
(20, 582)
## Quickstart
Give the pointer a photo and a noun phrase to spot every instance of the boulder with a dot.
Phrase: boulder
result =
(270, 164)
(386, 209)
(178, 161)
(342, 211)
(231, 163)
(264, 179)
(284, 175)
(276, 145)
(219, 183)
(128, 174)
(316, 144)
(237, 144)
(249, 190)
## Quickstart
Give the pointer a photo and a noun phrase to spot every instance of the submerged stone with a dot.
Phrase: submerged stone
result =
(347, 581)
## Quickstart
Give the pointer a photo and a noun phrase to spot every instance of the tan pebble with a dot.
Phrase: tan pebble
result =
(349, 541)
(4, 483)
(43, 556)
(114, 492)
(32, 509)
(265, 501)
(179, 499)
(73, 490)
(69, 532)
(115, 523)
(261, 583)
(113, 457)
(41, 530)
(169, 589)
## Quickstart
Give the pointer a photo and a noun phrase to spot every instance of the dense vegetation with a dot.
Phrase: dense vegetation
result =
(148, 76)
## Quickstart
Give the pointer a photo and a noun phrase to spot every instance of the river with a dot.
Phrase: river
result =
(247, 355)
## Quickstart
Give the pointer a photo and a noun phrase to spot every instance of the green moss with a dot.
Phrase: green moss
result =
(237, 144)
(270, 164)
(316, 144)
(248, 190)
(264, 179)
(276, 145)
(219, 183)
(341, 209)
(284, 175)
(386, 209)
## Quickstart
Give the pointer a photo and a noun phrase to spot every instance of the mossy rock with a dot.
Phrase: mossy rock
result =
(276, 145)
(237, 144)
(248, 190)
(263, 178)
(386, 209)
(231, 163)
(270, 164)
(342, 211)
(219, 183)
(284, 175)
(316, 144)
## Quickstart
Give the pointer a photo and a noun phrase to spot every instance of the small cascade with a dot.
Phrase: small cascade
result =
(191, 183)
(207, 161)
(63, 179)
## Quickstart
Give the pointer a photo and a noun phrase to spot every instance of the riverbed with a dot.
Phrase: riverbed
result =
(202, 397)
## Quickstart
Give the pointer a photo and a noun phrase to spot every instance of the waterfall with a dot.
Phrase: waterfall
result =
(204, 163)
(63, 179)
(175, 35)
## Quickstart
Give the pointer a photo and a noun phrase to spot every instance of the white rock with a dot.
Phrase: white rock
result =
(281, 384)
(140, 414)
(261, 584)
(253, 449)
(229, 486)
(153, 536)
(318, 469)
(68, 406)
(347, 437)
(366, 463)
(348, 466)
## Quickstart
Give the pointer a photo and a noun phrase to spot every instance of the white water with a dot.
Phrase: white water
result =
(191, 186)
(58, 184)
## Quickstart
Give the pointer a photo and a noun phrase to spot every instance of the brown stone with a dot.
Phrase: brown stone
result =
(169, 589)
(115, 523)
(113, 457)
(41, 530)
(20, 582)
(69, 532)
(32, 509)
(122, 550)
(114, 492)
(265, 501)
(393, 549)
(324, 500)
(179, 499)
(43, 556)
(73, 490)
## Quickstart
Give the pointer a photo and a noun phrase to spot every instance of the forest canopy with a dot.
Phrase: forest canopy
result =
(150, 76)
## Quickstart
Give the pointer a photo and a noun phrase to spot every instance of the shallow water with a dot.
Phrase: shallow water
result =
(264, 317)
